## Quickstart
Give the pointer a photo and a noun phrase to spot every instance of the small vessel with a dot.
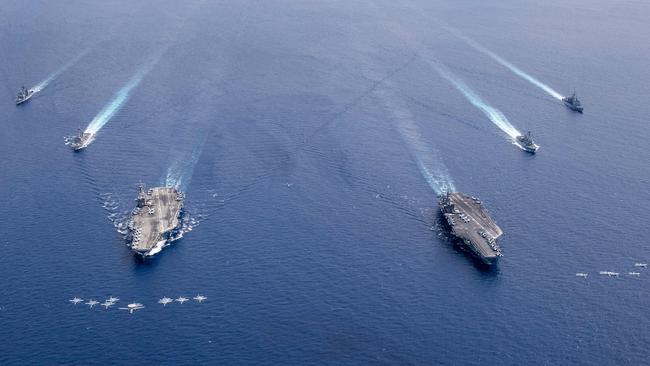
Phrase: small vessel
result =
(582, 274)
(80, 141)
(573, 103)
(643, 265)
(24, 95)
(526, 142)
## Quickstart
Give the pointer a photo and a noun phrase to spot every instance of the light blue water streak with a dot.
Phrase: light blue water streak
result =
(496, 116)
(427, 158)
(517, 71)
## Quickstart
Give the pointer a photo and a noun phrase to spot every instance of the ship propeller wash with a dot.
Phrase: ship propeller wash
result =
(156, 220)
(526, 142)
(24, 95)
(573, 103)
(470, 222)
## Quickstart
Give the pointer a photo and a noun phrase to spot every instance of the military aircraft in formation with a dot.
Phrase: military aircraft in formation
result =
(132, 307)
(165, 300)
(92, 303)
(200, 298)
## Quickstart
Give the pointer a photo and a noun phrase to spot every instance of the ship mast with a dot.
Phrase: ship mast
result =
(142, 197)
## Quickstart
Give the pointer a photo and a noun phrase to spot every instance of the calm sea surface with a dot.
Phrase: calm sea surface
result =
(311, 139)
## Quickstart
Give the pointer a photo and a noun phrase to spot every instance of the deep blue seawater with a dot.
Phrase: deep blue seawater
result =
(296, 128)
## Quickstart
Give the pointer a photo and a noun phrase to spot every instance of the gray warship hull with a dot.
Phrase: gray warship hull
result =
(470, 223)
(25, 98)
(573, 107)
(573, 103)
(81, 141)
(155, 221)
(528, 147)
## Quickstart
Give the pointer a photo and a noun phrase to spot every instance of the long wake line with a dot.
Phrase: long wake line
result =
(114, 105)
(495, 115)
(120, 98)
(504, 62)
(40, 86)
(179, 173)
(429, 163)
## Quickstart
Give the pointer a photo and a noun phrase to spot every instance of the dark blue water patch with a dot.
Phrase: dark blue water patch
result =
(317, 237)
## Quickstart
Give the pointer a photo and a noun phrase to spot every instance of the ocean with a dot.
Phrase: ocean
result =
(312, 139)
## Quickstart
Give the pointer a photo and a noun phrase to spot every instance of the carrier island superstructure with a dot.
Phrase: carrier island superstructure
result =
(470, 222)
(156, 220)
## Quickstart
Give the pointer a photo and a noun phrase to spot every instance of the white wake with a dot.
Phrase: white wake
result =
(43, 84)
(495, 115)
(505, 63)
(427, 158)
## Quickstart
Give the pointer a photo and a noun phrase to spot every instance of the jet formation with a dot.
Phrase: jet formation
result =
(134, 306)
(612, 273)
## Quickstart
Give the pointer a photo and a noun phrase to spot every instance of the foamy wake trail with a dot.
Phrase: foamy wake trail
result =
(40, 86)
(116, 104)
(118, 217)
(179, 173)
(427, 158)
(505, 63)
(495, 115)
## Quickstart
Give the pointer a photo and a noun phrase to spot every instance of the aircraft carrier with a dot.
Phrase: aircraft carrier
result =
(470, 222)
(156, 220)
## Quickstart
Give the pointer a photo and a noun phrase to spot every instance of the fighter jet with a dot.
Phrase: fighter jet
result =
(92, 303)
(107, 304)
(582, 274)
(200, 298)
(182, 299)
(76, 300)
(643, 265)
(133, 307)
(113, 299)
(165, 300)
(608, 273)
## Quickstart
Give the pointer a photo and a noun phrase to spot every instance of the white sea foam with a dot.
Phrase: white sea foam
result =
(114, 105)
(43, 84)
(179, 173)
(495, 115)
(517, 71)
(427, 158)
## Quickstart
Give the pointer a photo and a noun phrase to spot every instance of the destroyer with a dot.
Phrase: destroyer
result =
(470, 222)
(80, 141)
(156, 220)
(573, 103)
(526, 142)
(24, 95)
